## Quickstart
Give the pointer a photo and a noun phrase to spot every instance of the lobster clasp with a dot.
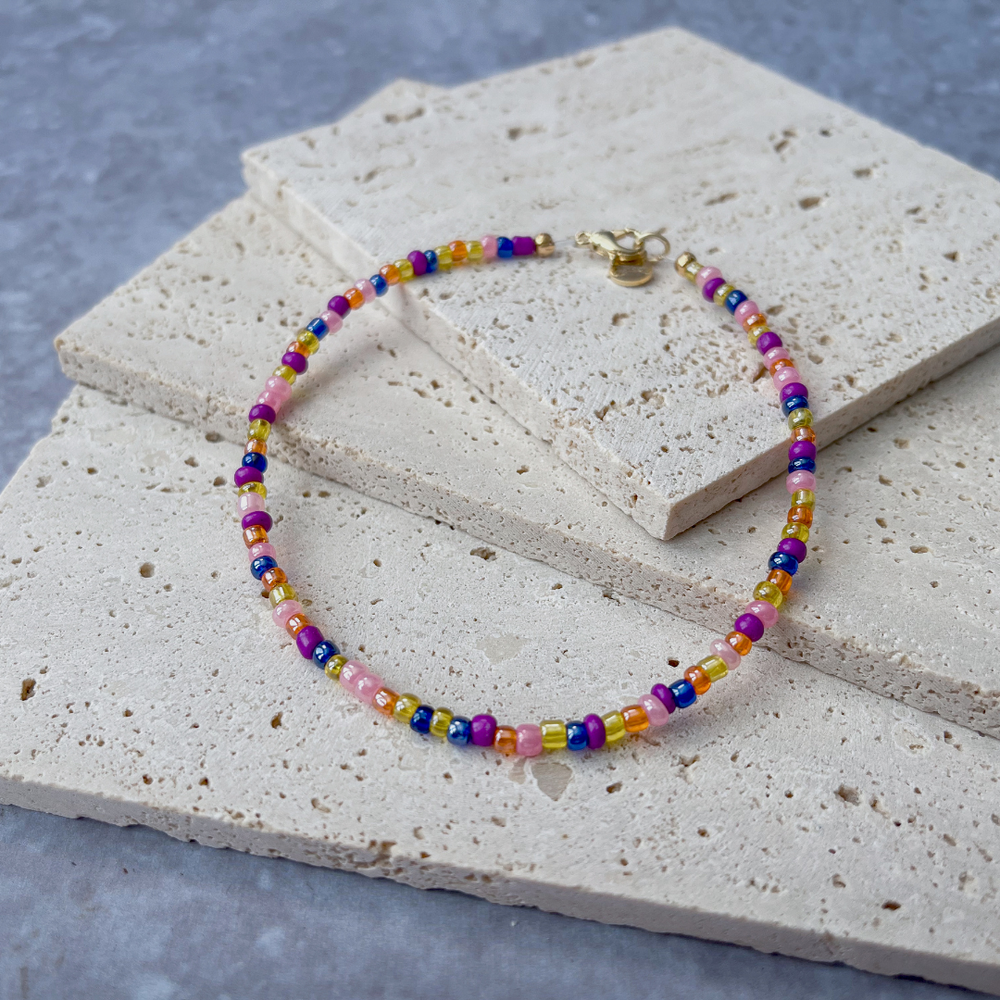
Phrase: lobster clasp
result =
(630, 265)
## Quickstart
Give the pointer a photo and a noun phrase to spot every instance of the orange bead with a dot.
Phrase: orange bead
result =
(755, 319)
(385, 701)
(272, 578)
(781, 579)
(354, 298)
(797, 515)
(740, 642)
(391, 273)
(251, 536)
(635, 718)
(296, 624)
(256, 447)
(698, 679)
(505, 739)
(297, 348)
(804, 434)
(459, 251)
(781, 363)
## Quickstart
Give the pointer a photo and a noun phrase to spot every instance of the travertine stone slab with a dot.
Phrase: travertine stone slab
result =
(141, 681)
(899, 594)
(876, 257)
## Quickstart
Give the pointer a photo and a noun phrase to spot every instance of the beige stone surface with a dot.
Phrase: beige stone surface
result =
(141, 681)
(899, 594)
(875, 256)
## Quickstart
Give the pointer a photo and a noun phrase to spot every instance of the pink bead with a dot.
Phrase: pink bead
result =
(351, 673)
(271, 399)
(262, 549)
(366, 288)
(529, 740)
(765, 611)
(654, 709)
(746, 308)
(722, 649)
(367, 686)
(332, 320)
(776, 354)
(801, 480)
(785, 375)
(489, 247)
(247, 503)
(705, 275)
(283, 611)
(281, 389)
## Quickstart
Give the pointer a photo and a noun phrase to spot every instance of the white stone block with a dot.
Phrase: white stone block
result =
(142, 681)
(899, 593)
(875, 256)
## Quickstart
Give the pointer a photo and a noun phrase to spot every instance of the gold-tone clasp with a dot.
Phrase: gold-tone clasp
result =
(630, 265)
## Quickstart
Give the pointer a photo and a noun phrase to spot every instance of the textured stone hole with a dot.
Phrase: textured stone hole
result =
(146, 570)
(891, 904)
(483, 553)
(219, 481)
(276, 721)
(27, 688)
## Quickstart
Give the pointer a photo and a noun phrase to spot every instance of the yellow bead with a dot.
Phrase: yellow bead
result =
(333, 665)
(804, 498)
(715, 667)
(614, 726)
(258, 430)
(475, 249)
(444, 258)
(553, 734)
(799, 531)
(406, 705)
(288, 374)
(283, 592)
(680, 265)
(691, 271)
(253, 488)
(405, 269)
(755, 332)
(720, 294)
(545, 246)
(767, 591)
(308, 340)
(440, 721)
(801, 417)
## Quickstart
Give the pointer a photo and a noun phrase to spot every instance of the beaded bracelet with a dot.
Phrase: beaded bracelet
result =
(630, 265)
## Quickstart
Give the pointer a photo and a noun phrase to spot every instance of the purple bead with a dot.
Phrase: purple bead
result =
(262, 412)
(419, 262)
(768, 340)
(801, 449)
(297, 362)
(710, 286)
(247, 474)
(483, 726)
(793, 389)
(665, 695)
(308, 639)
(795, 547)
(750, 625)
(255, 518)
(596, 736)
(523, 245)
(339, 305)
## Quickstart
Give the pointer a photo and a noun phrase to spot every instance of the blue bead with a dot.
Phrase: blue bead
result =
(505, 247)
(459, 731)
(381, 285)
(794, 403)
(432, 261)
(782, 560)
(261, 565)
(576, 736)
(255, 461)
(734, 298)
(683, 694)
(318, 328)
(421, 720)
(802, 465)
(325, 650)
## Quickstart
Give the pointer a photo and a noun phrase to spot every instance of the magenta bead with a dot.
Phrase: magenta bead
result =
(746, 308)
(665, 695)
(366, 687)
(350, 673)
(248, 502)
(750, 625)
(247, 474)
(261, 411)
(259, 549)
(785, 375)
(489, 247)
(529, 740)
(483, 729)
(596, 734)
(655, 710)
(419, 262)
(308, 639)
(297, 362)
(765, 611)
(801, 480)
(776, 354)
(705, 275)
(523, 245)
(795, 547)
(793, 389)
(725, 652)
(708, 289)
(283, 611)
(255, 519)
(767, 340)
(801, 449)
(278, 388)
(366, 288)
(332, 320)
(339, 305)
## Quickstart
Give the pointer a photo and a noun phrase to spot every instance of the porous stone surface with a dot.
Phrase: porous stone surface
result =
(899, 592)
(142, 681)
(874, 256)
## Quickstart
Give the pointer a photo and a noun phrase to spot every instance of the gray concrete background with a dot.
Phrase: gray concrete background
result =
(121, 124)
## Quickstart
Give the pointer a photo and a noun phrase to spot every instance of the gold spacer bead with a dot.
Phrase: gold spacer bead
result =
(680, 265)
(544, 245)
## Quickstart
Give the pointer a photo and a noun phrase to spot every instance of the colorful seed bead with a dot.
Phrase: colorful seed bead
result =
(351, 672)
(734, 299)
(798, 515)
(596, 735)
(297, 362)
(367, 289)
(722, 649)
(781, 579)
(475, 250)
(440, 721)
(663, 694)
(800, 418)
(460, 252)
(261, 565)
(698, 679)
(489, 247)
(333, 667)
(523, 246)
(296, 623)
(529, 740)
(794, 548)
(484, 728)
(505, 740)
(747, 309)
(324, 652)
(740, 642)
(634, 718)
(273, 578)
(655, 710)
(405, 268)
(258, 430)
(553, 734)
(505, 247)
(767, 591)
(354, 298)
(704, 275)
(259, 488)
(750, 625)
(333, 321)
(432, 261)
(684, 693)
(391, 273)
(406, 705)
(443, 258)
(614, 727)
(283, 592)
(795, 530)
(576, 736)
(785, 561)
(367, 687)
(459, 731)
(715, 667)
(764, 612)
(286, 609)
(419, 262)
(385, 701)
(767, 340)
(720, 294)
(307, 639)
(379, 283)
(420, 721)
(285, 372)
(711, 286)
